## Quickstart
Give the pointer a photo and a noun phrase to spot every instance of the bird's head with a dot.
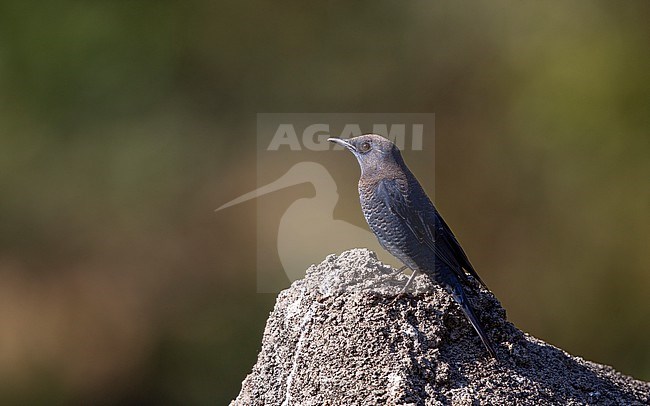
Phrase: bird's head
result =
(374, 152)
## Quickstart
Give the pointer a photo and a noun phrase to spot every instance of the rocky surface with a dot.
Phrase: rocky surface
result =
(337, 337)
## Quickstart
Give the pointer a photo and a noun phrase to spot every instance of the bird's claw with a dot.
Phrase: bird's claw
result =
(399, 296)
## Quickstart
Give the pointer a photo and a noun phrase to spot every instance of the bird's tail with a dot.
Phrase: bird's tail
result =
(461, 299)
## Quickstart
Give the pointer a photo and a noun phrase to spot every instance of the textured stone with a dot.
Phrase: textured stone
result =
(337, 338)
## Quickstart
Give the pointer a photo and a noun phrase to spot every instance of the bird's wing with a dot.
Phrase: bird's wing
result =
(428, 227)
(389, 191)
(444, 233)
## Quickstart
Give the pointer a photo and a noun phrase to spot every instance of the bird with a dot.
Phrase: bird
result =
(407, 224)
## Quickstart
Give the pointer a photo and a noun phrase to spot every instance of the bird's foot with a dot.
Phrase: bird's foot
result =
(401, 295)
(392, 275)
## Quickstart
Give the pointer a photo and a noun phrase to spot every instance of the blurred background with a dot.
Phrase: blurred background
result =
(123, 125)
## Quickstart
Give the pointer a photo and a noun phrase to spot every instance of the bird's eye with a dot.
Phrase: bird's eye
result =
(364, 147)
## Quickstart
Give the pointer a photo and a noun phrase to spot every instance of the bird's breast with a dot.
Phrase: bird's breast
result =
(390, 229)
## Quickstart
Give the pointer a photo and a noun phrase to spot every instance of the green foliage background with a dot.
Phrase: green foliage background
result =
(124, 124)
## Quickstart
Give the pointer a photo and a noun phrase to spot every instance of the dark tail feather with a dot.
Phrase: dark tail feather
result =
(460, 297)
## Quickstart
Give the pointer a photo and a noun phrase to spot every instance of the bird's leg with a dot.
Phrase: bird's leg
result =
(408, 283)
(402, 293)
(399, 271)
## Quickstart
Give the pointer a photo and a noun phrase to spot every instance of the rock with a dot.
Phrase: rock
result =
(336, 338)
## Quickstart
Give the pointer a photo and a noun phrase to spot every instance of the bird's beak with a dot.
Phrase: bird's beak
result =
(342, 143)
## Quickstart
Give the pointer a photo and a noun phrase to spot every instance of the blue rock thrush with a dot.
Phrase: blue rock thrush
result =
(407, 224)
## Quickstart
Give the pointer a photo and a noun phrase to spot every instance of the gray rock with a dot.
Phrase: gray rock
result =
(336, 338)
